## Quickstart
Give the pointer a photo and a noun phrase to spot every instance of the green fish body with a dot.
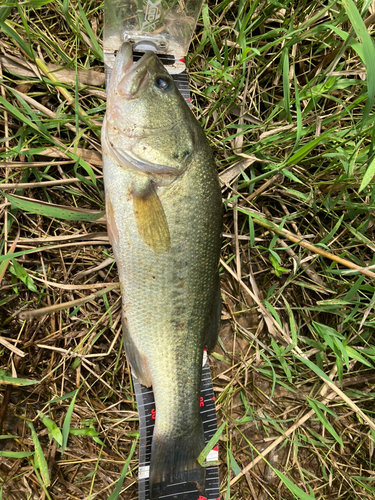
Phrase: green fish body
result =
(164, 215)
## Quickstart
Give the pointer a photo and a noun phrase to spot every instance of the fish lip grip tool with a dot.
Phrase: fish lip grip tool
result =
(165, 28)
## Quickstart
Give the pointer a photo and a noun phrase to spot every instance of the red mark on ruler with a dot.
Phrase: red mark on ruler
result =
(213, 399)
(201, 402)
(216, 448)
(182, 59)
(202, 498)
(153, 414)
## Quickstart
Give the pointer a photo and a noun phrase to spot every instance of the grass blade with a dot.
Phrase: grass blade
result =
(53, 430)
(286, 89)
(233, 464)
(40, 459)
(66, 424)
(21, 117)
(301, 153)
(211, 443)
(369, 174)
(53, 211)
(7, 379)
(368, 53)
(117, 491)
(16, 454)
(95, 45)
(13, 35)
(324, 421)
(293, 488)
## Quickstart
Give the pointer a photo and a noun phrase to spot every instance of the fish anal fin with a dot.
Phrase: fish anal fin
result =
(137, 360)
(150, 219)
(214, 322)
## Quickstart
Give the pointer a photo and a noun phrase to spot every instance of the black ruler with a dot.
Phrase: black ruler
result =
(182, 83)
(146, 410)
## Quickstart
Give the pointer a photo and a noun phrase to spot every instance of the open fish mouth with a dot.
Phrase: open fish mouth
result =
(126, 59)
(135, 76)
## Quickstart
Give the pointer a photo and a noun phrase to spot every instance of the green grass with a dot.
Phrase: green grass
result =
(282, 91)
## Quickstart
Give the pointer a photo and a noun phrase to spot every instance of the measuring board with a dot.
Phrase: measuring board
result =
(146, 410)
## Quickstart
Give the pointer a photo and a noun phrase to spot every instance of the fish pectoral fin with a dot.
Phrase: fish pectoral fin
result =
(150, 219)
(138, 361)
(214, 323)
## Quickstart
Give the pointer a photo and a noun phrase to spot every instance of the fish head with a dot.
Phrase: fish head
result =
(148, 125)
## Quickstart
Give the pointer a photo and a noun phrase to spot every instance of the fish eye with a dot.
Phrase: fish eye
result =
(162, 83)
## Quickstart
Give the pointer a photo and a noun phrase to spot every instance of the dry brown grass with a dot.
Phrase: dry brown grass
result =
(274, 292)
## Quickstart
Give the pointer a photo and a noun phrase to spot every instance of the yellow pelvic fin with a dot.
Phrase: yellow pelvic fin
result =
(150, 218)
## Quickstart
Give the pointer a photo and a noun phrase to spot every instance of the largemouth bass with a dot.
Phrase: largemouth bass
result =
(164, 216)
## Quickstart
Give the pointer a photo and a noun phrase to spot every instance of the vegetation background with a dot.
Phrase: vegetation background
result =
(285, 93)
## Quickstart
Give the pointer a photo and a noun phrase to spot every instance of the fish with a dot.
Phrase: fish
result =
(164, 220)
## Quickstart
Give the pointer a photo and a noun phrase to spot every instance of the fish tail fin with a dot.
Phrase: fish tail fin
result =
(174, 460)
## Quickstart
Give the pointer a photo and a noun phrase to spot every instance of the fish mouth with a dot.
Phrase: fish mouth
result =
(126, 55)
(132, 77)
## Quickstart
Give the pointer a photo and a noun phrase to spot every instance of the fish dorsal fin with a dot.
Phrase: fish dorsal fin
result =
(214, 324)
(150, 219)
